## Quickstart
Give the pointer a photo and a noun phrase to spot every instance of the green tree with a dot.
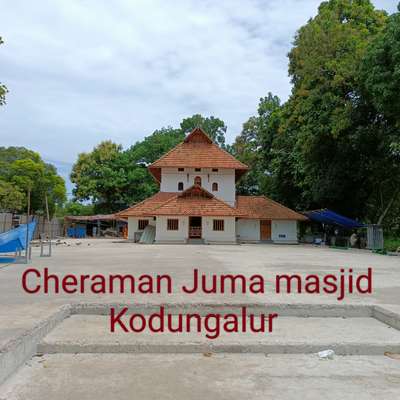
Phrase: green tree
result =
(22, 170)
(380, 70)
(154, 146)
(11, 198)
(113, 179)
(253, 146)
(323, 124)
(380, 86)
(75, 208)
(99, 176)
(214, 127)
(3, 89)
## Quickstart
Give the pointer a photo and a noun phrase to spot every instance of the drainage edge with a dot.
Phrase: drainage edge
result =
(19, 350)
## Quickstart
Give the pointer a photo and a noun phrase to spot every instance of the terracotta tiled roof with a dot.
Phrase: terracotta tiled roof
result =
(197, 151)
(261, 207)
(145, 207)
(198, 202)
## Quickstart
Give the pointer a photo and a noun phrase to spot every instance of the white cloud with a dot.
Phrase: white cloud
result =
(83, 71)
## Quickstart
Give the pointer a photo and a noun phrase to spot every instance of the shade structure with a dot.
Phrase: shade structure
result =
(15, 239)
(326, 216)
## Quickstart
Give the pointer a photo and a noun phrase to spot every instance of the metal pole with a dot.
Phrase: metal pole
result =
(27, 227)
(48, 221)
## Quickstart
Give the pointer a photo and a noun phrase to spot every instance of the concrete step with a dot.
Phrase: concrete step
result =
(346, 336)
(197, 377)
(195, 241)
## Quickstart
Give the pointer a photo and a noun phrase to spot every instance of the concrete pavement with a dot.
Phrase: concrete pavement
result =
(371, 376)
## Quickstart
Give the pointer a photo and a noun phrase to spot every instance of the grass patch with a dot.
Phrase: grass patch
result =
(391, 243)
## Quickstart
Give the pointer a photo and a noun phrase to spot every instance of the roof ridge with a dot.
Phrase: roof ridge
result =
(198, 187)
(137, 204)
(165, 155)
(142, 202)
(281, 205)
(207, 144)
(213, 197)
(166, 201)
(230, 155)
(195, 131)
(223, 202)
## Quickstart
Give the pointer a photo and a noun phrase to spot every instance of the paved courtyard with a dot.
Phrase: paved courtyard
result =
(20, 312)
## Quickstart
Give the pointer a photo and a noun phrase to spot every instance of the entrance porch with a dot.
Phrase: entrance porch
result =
(195, 228)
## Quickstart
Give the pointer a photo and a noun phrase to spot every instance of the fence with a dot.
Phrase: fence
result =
(55, 227)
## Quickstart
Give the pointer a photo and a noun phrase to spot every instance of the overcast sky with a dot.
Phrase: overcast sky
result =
(81, 71)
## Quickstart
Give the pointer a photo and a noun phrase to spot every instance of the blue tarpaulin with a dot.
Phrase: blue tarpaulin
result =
(77, 232)
(326, 216)
(15, 239)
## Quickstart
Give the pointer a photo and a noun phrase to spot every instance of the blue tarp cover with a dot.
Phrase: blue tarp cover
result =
(326, 216)
(77, 232)
(15, 239)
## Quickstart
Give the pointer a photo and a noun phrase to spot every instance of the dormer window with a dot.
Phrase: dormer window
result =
(180, 186)
(181, 169)
(197, 169)
(215, 187)
(197, 180)
(215, 170)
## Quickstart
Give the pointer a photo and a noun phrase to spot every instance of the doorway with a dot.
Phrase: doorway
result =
(194, 227)
(265, 229)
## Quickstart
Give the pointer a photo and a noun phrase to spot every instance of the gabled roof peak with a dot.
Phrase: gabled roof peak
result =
(198, 136)
(196, 191)
(197, 151)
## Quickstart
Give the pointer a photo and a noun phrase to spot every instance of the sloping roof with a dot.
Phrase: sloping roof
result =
(99, 217)
(147, 206)
(326, 216)
(197, 151)
(196, 201)
(261, 207)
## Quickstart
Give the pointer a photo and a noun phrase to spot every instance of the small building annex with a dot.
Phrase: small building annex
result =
(197, 200)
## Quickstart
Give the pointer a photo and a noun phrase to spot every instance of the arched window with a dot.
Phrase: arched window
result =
(197, 180)
(215, 187)
(180, 186)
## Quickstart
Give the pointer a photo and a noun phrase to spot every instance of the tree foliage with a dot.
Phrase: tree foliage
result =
(253, 145)
(214, 127)
(113, 178)
(380, 86)
(74, 208)
(334, 143)
(323, 109)
(380, 70)
(22, 170)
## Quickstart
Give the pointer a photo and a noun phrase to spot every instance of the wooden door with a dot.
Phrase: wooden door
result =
(265, 229)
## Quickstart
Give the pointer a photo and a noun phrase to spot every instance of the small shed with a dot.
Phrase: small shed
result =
(80, 226)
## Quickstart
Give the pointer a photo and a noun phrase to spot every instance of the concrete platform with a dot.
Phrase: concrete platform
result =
(199, 377)
(25, 320)
(347, 336)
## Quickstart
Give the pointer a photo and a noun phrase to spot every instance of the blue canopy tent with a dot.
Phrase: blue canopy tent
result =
(329, 217)
(14, 240)
(335, 227)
